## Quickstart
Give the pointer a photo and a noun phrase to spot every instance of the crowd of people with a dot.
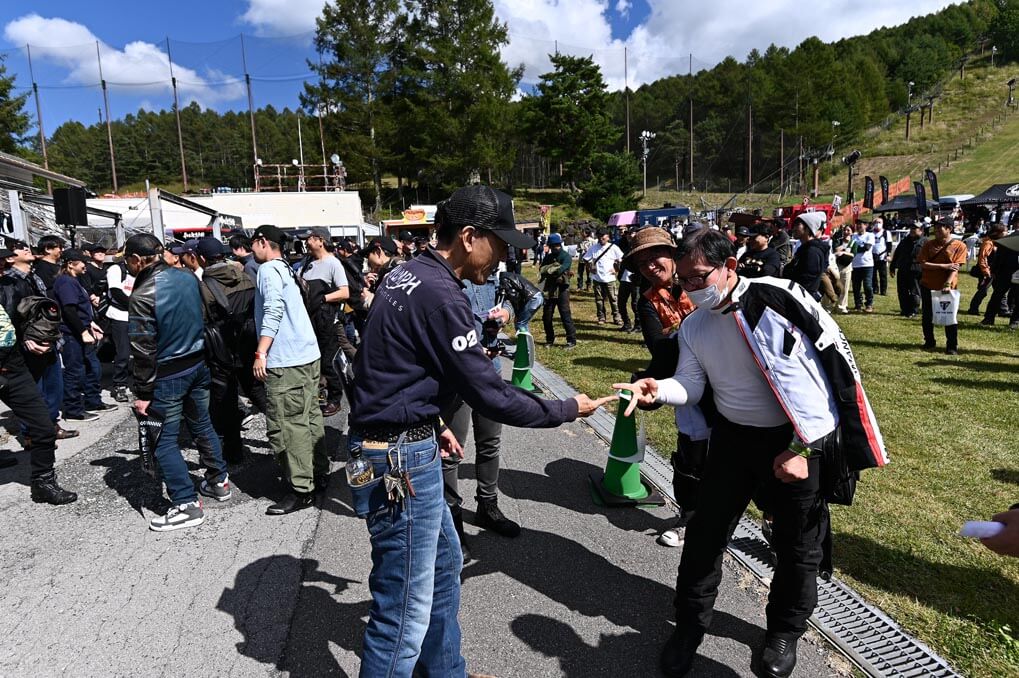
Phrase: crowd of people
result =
(407, 332)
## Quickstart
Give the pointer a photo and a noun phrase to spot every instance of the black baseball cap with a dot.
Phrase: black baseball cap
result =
(406, 236)
(486, 208)
(143, 245)
(270, 233)
(387, 244)
(177, 247)
(13, 244)
(72, 255)
(4, 253)
(94, 247)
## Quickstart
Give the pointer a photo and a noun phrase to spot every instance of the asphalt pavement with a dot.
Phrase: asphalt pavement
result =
(583, 591)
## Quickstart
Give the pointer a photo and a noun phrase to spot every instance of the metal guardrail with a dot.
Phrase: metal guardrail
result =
(864, 634)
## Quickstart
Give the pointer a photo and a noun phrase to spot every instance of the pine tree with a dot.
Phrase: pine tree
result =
(14, 121)
(568, 119)
(455, 91)
(357, 40)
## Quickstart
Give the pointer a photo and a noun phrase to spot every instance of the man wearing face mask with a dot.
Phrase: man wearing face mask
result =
(763, 440)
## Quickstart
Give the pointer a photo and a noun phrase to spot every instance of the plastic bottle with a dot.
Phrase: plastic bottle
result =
(359, 471)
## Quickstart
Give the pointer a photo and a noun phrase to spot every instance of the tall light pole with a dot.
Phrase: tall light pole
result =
(834, 133)
(645, 140)
(909, 106)
(994, 50)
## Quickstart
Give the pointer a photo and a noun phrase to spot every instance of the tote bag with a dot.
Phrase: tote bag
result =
(946, 307)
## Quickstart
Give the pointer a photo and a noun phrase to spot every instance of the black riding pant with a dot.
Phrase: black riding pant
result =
(739, 464)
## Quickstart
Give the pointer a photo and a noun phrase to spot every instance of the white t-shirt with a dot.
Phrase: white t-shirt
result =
(604, 270)
(711, 348)
(863, 259)
(115, 281)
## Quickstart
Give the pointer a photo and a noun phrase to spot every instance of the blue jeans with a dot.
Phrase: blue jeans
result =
(187, 394)
(51, 386)
(416, 563)
(81, 377)
(523, 320)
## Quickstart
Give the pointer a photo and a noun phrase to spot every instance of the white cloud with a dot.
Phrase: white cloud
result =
(142, 66)
(283, 17)
(673, 30)
(660, 46)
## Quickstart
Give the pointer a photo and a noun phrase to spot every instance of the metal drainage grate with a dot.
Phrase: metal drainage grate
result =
(863, 633)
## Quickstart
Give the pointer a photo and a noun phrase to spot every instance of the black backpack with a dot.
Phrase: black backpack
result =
(230, 330)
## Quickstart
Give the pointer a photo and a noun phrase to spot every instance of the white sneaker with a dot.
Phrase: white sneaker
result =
(184, 515)
(219, 491)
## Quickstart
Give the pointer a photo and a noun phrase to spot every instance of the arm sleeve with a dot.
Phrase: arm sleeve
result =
(773, 266)
(565, 261)
(687, 386)
(270, 284)
(457, 358)
(69, 313)
(141, 330)
(650, 324)
(339, 275)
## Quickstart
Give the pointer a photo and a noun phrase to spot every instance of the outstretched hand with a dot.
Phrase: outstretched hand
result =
(644, 391)
(586, 407)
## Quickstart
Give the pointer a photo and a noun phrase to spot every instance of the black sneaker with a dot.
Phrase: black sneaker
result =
(491, 517)
(84, 416)
(570, 344)
(46, 490)
(101, 408)
(120, 394)
(625, 328)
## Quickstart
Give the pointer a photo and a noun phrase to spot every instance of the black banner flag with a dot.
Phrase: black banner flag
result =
(884, 189)
(932, 179)
(868, 193)
(921, 199)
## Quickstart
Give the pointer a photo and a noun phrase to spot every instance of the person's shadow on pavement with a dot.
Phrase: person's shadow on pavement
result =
(261, 600)
(126, 477)
(614, 655)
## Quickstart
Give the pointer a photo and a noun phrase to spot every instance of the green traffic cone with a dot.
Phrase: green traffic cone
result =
(621, 483)
(523, 362)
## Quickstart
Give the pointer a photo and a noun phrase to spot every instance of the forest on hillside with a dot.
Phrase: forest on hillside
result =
(416, 90)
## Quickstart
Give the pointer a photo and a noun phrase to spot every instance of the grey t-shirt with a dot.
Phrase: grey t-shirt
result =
(328, 269)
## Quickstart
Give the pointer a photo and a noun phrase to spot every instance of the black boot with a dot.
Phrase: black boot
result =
(778, 657)
(294, 501)
(46, 490)
(492, 518)
(458, 524)
(679, 652)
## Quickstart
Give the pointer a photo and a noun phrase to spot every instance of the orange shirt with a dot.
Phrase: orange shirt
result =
(984, 255)
(670, 310)
(952, 252)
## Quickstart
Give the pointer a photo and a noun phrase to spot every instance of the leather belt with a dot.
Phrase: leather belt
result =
(390, 434)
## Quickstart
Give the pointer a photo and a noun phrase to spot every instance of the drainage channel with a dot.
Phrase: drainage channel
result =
(863, 633)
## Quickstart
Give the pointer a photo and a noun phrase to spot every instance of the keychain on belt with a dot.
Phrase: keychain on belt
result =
(397, 480)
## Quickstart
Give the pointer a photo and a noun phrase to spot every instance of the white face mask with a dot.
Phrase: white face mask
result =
(710, 297)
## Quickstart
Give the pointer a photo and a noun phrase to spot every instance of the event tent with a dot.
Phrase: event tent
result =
(996, 194)
(903, 203)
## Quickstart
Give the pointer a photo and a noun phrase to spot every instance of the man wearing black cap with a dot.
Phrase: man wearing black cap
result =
(906, 271)
(327, 290)
(287, 360)
(406, 245)
(82, 371)
(229, 299)
(18, 389)
(381, 255)
(420, 352)
(759, 259)
(19, 282)
(740, 245)
(555, 269)
(171, 377)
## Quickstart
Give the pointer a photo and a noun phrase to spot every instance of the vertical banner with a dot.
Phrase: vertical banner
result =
(545, 217)
(921, 199)
(884, 189)
(868, 193)
(932, 179)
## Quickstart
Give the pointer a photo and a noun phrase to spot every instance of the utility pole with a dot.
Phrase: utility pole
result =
(109, 128)
(909, 106)
(799, 166)
(42, 134)
(781, 162)
(251, 105)
(691, 121)
(176, 111)
(750, 145)
(626, 94)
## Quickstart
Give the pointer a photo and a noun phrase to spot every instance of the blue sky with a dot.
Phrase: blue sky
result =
(658, 36)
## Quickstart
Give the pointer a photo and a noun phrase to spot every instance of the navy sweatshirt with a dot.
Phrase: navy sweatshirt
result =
(420, 349)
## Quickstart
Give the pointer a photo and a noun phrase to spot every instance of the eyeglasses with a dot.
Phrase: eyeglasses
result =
(696, 282)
